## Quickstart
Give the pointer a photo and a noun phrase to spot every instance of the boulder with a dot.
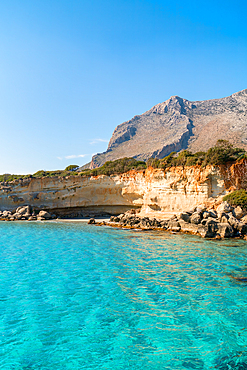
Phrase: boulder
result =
(155, 223)
(44, 214)
(224, 207)
(32, 218)
(242, 228)
(26, 210)
(225, 230)
(224, 218)
(238, 212)
(184, 216)
(163, 224)
(233, 222)
(6, 213)
(209, 230)
(212, 212)
(206, 214)
(145, 223)
(200, 209)
(17, 216)
(205, 232)
(195, 218)
(136, 222)
(188, 227)
(237, 225)
(173, 225)
(40, 218)
(244, 219)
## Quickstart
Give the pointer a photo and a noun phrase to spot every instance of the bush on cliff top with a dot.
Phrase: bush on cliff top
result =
(237, 198)
(72, 167)
(116, 167)
(221, 153)
(57, 173)
(8, 177)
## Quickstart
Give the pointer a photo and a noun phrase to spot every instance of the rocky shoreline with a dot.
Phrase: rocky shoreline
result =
(223, 222)
(220, 222)
(26, 213)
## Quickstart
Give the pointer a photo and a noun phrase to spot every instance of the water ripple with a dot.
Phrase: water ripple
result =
(81, 297)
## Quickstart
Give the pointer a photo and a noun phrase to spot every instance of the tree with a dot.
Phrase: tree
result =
(72, 167)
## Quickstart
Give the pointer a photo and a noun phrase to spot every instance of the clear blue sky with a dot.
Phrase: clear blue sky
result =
(72, 70)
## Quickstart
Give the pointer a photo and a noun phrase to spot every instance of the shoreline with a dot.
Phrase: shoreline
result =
(223, 221)
(116, 225)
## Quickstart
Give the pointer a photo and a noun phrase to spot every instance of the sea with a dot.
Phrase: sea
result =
(77, 296)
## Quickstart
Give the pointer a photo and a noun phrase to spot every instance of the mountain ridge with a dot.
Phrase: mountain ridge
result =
(177, 124)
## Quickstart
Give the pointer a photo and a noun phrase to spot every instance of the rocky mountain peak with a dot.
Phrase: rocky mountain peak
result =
(178, 124)
(172, 105)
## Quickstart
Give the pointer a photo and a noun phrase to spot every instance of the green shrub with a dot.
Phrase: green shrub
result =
(40, 173)
(196, 159)
(167, 161)
(153, 162)
(8, 177)
(72, 167)
(119, 166)
(222, 152)
(237, 198)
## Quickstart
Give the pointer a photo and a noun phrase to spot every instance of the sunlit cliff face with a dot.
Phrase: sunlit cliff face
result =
(152, 190)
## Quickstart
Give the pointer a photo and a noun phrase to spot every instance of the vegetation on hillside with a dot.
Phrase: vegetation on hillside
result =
(118, 166)
(221, 153)
(7, 177)
(237, 198)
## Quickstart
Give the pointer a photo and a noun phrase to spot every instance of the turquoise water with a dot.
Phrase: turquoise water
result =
(75, 296)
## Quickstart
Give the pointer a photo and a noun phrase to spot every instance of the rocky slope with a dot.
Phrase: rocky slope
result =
(179, 124)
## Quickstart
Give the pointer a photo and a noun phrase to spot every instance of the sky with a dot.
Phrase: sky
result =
(72, 70)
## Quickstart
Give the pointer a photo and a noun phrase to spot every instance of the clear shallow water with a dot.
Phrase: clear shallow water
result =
(83, 297)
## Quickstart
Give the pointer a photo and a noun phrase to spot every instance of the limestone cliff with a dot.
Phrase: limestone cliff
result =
(152, 190)
(178, 124)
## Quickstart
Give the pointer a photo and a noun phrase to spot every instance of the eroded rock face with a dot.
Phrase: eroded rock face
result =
(153, 191)
(171, 191)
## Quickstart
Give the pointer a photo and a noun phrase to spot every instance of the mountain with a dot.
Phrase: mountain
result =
(179, 124)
